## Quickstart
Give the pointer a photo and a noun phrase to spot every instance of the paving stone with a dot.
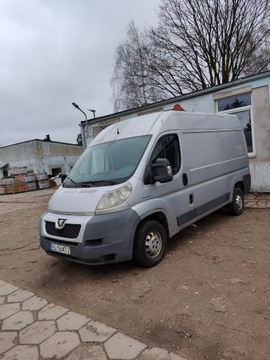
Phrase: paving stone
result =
(94, 331)
(2, 283)
(7, 310)
(2, 300)
(257, 204)
(155, 354)
(59, 345)
(262, 203)
(34, 303)
(6, 341)
(71, 321)
(250, 204)
(19, 296)
(22, 352)
(7, 289)
(87, 352)
(51, 312)
(123, 347)
(18, 321)
(37, 332)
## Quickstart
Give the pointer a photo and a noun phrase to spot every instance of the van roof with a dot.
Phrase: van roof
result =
(158, 122)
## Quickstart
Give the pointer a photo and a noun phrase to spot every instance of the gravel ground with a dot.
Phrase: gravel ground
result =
(208, 299)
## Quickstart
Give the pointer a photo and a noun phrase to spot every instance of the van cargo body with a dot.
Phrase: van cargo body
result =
(141, 181)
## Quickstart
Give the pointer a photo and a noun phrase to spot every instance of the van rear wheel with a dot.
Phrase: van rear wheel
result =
(236, 207)
(149, 243)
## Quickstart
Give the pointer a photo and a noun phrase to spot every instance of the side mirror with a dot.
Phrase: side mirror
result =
(162, 171)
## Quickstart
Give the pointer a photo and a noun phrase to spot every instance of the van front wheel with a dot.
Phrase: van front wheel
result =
(149, 243)
(236, 207)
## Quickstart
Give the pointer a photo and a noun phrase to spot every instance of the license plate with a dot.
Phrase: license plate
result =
(62, 249)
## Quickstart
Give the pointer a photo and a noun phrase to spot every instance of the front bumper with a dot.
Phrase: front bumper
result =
(102, 238)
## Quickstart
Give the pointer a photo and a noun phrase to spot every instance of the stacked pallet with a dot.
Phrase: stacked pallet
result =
(43, 181)
(18, 171)
(21, 177)
(31, 182)
(21, 181)
(4, 183)
(9, 186)
(2, 189)
(15, 188)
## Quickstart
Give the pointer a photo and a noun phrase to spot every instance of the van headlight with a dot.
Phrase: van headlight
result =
(114, 198)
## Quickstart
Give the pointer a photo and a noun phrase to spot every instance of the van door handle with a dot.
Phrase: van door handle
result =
(185, 179)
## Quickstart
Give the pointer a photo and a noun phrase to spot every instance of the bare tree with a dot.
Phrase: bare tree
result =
(259, 61)
(211, 43)
(131, 85)
(196, 45)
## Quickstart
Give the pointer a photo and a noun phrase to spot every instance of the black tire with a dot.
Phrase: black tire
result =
(149, 243)
(236, 207)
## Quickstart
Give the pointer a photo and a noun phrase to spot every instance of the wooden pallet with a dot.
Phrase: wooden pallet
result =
(16, 188)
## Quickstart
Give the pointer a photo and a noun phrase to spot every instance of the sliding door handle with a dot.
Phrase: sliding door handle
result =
(185, 179)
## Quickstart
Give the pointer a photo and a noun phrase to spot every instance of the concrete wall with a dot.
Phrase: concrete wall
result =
(261, 116)
(40, 156)
(260, 162)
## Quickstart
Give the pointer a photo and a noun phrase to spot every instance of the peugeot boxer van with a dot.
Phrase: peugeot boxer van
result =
(141, 181)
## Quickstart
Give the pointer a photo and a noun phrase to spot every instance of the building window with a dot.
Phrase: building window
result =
(56, 171)
(234, 102)
(241, 106)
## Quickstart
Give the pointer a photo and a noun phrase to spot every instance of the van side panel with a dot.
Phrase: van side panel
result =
(206, 182)
(232, 151)
(234, 158)
(214, 162)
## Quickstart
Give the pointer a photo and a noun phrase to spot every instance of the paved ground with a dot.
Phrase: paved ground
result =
(257, 200)
(32, 329)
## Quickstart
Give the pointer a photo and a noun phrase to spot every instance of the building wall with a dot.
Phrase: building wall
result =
(260, 158)
(40, 156)
(19, 155)
(260, 162)
(261, 116)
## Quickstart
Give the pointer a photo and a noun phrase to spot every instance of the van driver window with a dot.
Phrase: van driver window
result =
(168, 147)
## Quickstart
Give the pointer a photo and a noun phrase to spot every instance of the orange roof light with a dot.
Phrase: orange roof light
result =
(178, 107)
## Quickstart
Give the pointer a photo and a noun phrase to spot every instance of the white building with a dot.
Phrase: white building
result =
(39, 156)
(248, 98)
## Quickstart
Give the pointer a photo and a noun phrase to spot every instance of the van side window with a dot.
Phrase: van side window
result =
(168, 147)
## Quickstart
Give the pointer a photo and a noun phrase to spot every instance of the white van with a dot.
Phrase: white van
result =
(143, 180)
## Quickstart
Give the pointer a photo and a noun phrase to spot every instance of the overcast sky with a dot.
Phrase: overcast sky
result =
(55, 52)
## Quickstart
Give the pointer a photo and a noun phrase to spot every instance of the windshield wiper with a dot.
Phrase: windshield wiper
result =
(97, 183)
(91, 183)
(74, 182)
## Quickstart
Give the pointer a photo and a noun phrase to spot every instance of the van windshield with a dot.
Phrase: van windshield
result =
(108, 163)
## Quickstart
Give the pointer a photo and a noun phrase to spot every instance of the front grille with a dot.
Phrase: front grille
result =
(70, 231)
